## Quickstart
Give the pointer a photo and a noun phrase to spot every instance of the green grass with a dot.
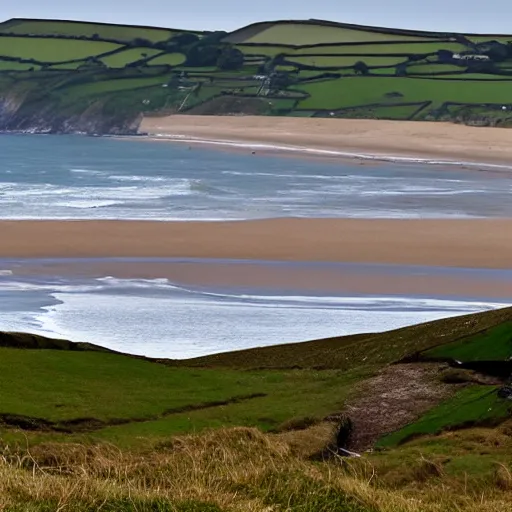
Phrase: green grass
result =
(67, 28)
(485, 39)
(380, 112)
(317, 34)
(52, 50)
(6, 65)
(168, 59)
(68, 66)
(121, 59)
(109, 86)
(375, 49)
(283, 103)
(354, 91)
(494, 344)
(481, 76)
(322, 393)
(432, 68)
(474, 405)
(343, 61)
(269, 51)
(205, 93)
(60, 386)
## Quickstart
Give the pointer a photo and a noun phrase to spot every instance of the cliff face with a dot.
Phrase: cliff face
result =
(23, 111)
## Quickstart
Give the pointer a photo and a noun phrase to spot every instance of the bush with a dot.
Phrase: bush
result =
(361, 68)
(184, 39)
(230, 59)
(201, 55)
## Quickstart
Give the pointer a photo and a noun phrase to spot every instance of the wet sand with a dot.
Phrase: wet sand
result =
(478, 243)
(424, 140)
(290, 278)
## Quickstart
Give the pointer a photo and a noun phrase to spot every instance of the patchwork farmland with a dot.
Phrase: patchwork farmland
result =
(310, 68)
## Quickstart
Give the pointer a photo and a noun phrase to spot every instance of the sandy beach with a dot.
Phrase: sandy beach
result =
(479, 243)
(377, 138)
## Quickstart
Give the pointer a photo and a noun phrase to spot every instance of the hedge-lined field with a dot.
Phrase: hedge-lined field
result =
(298, 33)
(53, 50)
(333, 93)
(66, 28)
(342, 70)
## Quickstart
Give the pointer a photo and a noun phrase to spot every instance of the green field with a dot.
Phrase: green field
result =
(168, 59)
(269, 51)
(391, 49)
(343, 61)
(355, 91)
(362, 72)
(125, 57)
(53, 50)
(6, 65)
(474, 405)
(293, 34)
(433, 69)
(123, 398)
(109, 86)
(493, 344)
(65, 28)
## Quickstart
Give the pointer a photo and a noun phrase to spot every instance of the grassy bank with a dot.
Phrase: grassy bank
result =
(245, 470)
(86, 429)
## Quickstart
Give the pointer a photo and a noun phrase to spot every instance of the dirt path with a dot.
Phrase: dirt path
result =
(397, 396)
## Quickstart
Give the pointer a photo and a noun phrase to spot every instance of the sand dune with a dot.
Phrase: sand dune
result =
(371, 137)
(483, 243)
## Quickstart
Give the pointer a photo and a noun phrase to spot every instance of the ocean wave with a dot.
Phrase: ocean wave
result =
(45, 194)
(101, 284)
(138, 179)
(111, 282)
(86, 171)
(84, 204)
(417, 192)
(114, 285)
(357, 303)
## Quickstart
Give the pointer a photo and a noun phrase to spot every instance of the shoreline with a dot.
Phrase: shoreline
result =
(279, 278)
(461, 243)
(317, 152)
(431, 143)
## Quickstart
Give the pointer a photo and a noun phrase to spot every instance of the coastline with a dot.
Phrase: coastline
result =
(434, 143)
(278, 277)
(462, 243)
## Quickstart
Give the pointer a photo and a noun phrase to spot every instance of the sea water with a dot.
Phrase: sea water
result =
(158, 318)
(71, 177)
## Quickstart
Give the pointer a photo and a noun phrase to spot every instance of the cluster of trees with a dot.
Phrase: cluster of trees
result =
(205, 51)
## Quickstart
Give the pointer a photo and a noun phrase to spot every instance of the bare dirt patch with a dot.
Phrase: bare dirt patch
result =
(395, 397)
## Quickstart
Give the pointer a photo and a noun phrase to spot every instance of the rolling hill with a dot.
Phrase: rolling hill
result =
(429, 407)
(64, 76)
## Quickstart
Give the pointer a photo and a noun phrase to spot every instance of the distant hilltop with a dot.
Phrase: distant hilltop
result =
(71, 76)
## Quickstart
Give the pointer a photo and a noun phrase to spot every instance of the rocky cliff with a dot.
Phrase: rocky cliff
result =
(21, 110)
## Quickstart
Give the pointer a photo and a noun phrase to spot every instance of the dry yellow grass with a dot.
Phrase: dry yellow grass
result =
(233, 470)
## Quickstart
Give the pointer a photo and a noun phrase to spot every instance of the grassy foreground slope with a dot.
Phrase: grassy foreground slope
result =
(74, 76)
(87, 429)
